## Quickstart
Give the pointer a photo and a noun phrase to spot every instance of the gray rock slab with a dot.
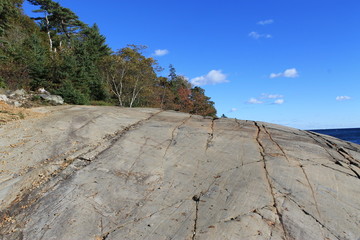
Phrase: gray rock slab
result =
(84, 172)
(3, 98)
(19, 92)
(52, 98)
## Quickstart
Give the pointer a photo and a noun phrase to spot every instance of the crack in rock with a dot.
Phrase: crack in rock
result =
(263, 154)
(240, 125)
(211, 135)
(105, 235)
(302, 208)
(310, 215)
(172, 140)
(277, 144)
(337, 170)
(351, 161)
(302, 168)
(196, 198)
(30, 196)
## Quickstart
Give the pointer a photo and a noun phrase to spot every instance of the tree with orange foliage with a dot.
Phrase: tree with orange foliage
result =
(201, 103)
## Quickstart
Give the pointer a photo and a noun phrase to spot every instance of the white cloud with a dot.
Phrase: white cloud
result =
(213, 77)
(342, 98)
(288, 73)
(266, 22)
(233, 110)
(271, 96)
(291, 73)
(161, 52)
(254, 101)
(275, 75)
(267, 99)
(256, 35)
(279, 101)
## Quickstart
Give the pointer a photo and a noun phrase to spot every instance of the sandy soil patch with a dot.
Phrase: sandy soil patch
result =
(10, 113)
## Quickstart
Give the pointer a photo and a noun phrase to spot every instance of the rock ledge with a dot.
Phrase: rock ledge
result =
(86, 172)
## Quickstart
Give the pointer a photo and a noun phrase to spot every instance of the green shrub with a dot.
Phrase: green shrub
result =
(72, 95)
(36, 98)
(102, 103)
(2, 83)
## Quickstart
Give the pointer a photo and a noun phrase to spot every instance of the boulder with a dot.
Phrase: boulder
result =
(3, 98)
(85, 172)
(15, 103)
(52, 98)
(18, 93)
(43, 91)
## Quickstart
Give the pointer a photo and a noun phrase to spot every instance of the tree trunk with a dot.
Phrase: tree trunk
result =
(116, 89)
(48, 33)
(135, 92)
(162, 98)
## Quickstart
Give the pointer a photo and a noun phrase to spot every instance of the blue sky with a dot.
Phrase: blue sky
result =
(290, 62)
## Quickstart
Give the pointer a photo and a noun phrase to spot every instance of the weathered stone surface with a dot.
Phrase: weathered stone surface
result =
(19, 92)
(3, 98)
(52, 98)
(20, 97)
(111, 173)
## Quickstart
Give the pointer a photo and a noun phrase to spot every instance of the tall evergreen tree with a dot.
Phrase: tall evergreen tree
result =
(172, 74)
(77, 50)
(16, 59)
(89, 48)
(9, 11)
(37, 55)
(58, 22)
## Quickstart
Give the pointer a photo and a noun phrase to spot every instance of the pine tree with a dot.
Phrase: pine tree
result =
(9, 11)
(89, 48)
(172, 74)
(58, 22)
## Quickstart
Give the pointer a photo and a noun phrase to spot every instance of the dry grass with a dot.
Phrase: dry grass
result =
(10, 113)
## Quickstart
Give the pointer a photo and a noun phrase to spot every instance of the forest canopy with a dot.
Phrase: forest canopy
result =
(57, 51)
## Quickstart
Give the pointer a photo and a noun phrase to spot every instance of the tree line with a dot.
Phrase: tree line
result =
(57, 51)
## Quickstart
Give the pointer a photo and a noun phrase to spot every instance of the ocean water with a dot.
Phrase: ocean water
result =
(347, 134)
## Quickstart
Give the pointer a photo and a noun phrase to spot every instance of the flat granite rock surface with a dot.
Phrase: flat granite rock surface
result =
(85, 172)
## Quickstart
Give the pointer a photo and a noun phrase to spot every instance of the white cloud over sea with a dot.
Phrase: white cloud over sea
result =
(288, 73)
(211, 78)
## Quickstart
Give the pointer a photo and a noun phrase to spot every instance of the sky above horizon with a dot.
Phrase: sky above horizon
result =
(294, 63)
